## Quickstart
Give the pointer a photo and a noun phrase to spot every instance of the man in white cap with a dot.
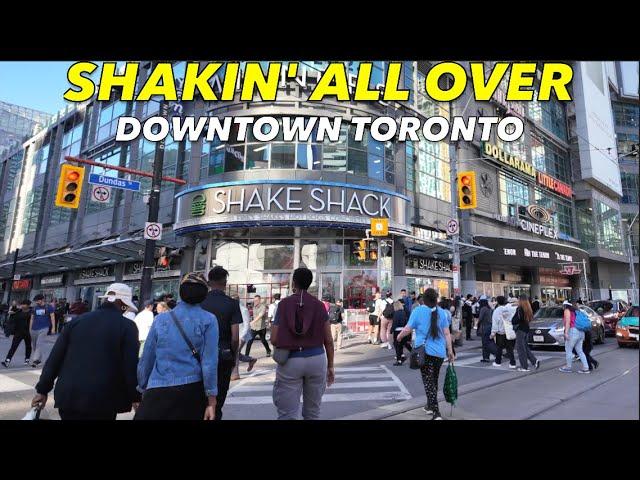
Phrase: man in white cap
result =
(94, 361)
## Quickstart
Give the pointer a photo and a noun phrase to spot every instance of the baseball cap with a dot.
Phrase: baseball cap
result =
(122, 292)
(567, 302)
(195, 278)
(483, 297)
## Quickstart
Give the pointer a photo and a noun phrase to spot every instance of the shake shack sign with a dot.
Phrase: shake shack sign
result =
(295, 202)
(427, 266)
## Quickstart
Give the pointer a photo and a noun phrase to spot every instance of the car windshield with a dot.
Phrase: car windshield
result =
(549, 312)
(605, 305)
(633, 312)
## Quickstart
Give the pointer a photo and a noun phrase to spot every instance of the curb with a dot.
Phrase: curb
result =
(381, 413)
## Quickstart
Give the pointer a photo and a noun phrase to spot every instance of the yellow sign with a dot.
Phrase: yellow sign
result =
(514, 162)
(379, 227)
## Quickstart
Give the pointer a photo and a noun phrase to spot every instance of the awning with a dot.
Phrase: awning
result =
(443, 248)
(106, 252)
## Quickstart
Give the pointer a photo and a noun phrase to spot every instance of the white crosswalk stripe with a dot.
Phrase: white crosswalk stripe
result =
(351, 385)
(473, 361)
(8, 384)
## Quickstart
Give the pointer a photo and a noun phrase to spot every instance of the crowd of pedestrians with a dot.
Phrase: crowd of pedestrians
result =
(176, 360)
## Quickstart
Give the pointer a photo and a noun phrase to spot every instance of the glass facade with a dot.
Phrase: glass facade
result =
(110, 157)
(512, 192)
(548, 158)
(31, 211)
(625, 141)
(625, 114)
(108, 120)
(630, 187)
(71, 141)
(560, 212)
(551, 115)
(368, 158)
(433, 170)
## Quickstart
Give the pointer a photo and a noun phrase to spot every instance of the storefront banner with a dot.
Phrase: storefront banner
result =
(428, 267)
(52, 280)
(527, 253)
(90, 276)
(262, 202)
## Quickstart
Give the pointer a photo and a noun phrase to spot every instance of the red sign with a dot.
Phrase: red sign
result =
(570, 270)
(554, 184)
(24, 284)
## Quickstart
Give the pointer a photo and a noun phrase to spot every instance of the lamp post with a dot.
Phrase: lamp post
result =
(632, 270)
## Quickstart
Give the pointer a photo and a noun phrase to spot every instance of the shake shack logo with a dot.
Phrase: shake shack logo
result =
(538, 213)
(198, 205)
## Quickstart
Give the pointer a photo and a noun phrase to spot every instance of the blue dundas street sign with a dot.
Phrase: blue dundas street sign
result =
(114, 182)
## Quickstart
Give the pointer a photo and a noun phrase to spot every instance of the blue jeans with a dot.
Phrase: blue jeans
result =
(576, 337)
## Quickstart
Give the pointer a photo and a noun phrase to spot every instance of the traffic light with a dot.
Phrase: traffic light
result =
(69, 186)
(467, 190)
(359, 249)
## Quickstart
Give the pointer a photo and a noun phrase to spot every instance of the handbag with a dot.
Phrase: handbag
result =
(508, 330)
(280, 355)
(417, 357)
(193, 349)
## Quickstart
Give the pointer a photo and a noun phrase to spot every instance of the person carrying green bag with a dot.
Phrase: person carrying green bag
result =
(450, 388)
(433, 337)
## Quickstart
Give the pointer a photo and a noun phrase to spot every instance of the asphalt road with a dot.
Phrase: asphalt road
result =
(368, 386)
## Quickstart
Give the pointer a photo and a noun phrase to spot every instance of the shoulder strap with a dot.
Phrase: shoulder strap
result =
(194, 352)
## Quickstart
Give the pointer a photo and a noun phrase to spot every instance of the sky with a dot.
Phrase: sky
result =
(37, 85)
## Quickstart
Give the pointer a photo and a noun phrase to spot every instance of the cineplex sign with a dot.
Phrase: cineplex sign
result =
(290, 202)
(547, 181)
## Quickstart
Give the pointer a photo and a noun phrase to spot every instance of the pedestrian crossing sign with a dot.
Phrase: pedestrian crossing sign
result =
(379, 227)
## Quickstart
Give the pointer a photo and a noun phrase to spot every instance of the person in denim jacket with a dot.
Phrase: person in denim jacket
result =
(176, 383)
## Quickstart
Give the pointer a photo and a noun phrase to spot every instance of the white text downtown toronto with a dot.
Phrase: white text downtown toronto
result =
(290, 199)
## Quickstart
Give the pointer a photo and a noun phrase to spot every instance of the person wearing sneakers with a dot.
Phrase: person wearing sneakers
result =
(375, 308)
(20, 321)
(42, 319)
(521, 320)
(484, 328)
(573, 338)
(245, 336)
(432, 330)
(399, 322)
(386, 319)
(501, 315)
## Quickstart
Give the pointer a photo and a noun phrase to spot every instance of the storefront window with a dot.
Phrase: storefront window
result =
(353, 259)
(323, 254)
(271, 255)
(232, 255)
(201, 251)
(586, 230)
(550, 114)
(359, 286)
(630, 187)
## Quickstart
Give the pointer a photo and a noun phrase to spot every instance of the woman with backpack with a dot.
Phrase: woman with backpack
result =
(484, 329)
(385, 322)
(432, 331)
(573, 338)
(502, 331)
(521, 320)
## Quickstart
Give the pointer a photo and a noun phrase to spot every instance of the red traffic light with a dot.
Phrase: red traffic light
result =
(465, 180)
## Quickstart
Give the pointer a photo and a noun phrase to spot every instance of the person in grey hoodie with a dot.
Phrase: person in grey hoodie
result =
(500, 314)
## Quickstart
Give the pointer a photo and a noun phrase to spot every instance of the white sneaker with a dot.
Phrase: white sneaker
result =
(513, 366)
(383, 345)
(389, 347)
(497, 364)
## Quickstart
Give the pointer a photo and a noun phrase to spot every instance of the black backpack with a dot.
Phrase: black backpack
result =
(388, 310)
(333, 314)
(371, 307)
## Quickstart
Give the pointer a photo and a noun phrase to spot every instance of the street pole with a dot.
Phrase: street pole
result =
(632, 270)
(586, 280)
(13, 274)
(148, 266)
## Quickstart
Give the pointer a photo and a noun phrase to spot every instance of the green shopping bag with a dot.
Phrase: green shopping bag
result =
(450, 388)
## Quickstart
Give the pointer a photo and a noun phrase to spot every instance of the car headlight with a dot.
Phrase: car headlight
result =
(622, 327)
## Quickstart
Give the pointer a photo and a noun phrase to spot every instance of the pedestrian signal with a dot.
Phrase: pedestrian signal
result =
(69, 186)
(467, 190)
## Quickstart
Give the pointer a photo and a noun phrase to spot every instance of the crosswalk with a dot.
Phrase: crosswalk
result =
(472, 360)
(353, 384)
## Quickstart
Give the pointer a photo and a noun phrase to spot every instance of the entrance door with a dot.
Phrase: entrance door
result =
(330, 285)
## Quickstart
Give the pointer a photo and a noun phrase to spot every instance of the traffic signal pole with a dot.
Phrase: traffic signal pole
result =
(154, 207)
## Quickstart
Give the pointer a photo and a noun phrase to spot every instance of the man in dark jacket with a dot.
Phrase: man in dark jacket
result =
(94, 361)
(227, 311)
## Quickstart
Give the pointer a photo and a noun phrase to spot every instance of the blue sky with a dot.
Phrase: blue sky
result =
(37, 85)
